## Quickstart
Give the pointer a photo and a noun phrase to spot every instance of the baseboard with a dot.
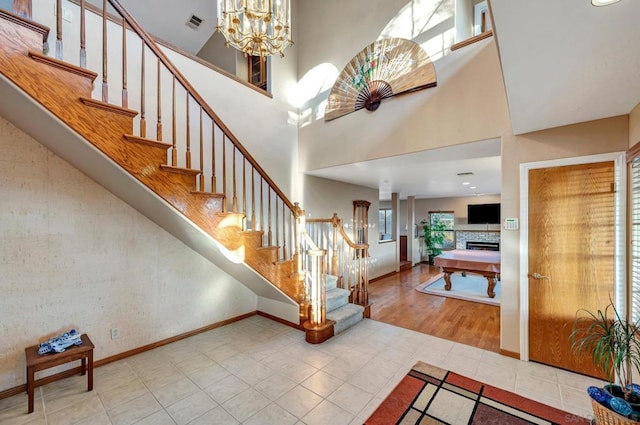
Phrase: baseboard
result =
(512, 354)
(74, 371)
(279, 320)
(383, 276)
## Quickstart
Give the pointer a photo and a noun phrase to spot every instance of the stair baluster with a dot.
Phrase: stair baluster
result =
(83, 36)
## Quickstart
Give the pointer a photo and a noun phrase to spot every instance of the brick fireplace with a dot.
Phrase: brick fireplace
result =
(477, 237)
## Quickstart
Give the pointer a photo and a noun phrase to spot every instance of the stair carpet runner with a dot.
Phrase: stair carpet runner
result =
(338, 307)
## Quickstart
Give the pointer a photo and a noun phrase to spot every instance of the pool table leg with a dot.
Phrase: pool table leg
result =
(491, 286)
(447, 281)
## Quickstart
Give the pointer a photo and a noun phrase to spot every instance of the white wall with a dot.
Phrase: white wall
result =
(324, 197)
(215, 52)
(75, 256)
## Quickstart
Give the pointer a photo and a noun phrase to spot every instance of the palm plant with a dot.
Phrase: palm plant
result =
(611, 341)
(433, 236)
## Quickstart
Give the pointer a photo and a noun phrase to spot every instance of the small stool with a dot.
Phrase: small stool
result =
(37, 362)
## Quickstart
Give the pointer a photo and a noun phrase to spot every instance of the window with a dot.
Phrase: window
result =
(258, 71)
(385, 223)
(443, 222)
(634, 267)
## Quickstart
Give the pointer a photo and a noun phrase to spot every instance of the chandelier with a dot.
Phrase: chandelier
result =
(256, 27)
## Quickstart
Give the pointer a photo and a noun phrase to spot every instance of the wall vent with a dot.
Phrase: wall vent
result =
(194, 22)
(468, 173)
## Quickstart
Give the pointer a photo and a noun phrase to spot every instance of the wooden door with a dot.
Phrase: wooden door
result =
(571, 244)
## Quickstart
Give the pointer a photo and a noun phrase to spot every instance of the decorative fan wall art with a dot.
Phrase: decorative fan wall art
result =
(385, 68)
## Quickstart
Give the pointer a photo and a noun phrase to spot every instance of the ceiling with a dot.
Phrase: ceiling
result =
(563, 62)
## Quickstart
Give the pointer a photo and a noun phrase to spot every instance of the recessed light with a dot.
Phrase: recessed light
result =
(465, 183)
(472, 187)
(603, 2)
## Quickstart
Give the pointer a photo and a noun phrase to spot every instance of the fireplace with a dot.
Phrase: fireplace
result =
(483, 246)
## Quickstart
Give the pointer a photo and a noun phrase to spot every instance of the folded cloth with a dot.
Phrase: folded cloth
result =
(60, 343)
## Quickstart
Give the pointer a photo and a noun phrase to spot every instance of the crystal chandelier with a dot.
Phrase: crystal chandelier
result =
(256, 27)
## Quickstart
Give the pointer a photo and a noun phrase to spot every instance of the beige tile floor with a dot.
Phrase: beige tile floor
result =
(258, 371)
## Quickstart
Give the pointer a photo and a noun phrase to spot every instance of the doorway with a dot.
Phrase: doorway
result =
(572, 251)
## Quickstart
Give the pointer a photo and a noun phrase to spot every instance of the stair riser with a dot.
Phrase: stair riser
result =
(346, 323)
(336, 303)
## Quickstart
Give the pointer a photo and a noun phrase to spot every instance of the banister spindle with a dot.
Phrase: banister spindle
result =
(159, 102)
(235, 195)
(125, 95)
(105, 85)
(269, 237)
(59, 29)
(201, 154)
(143, 91)
(213, 157)
(188, 156)
(225, 205)
(261, 203)
(277, 225)
(253, 198)
(174, 150)
(83, 36)
(244, 188)
(284, 234)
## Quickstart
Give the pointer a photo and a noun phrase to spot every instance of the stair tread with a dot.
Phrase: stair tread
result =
(211, 194)
(149, 142)
(344, 312)
(337, 292)
(108, 107)
(39, 57)
(179, 170)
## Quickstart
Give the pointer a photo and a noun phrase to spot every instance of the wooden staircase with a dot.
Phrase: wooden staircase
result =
(65, 90)
(204, 175)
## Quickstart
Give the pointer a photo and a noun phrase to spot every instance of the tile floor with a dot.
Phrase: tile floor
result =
(258, 371)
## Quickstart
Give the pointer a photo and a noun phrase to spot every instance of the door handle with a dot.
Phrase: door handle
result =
(538, 276)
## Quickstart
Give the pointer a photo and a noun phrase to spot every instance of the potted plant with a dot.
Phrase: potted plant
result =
(612, 342)
(433, 237)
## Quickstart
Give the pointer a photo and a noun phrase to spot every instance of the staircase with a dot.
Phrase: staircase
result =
(339, 309)
(202, 185)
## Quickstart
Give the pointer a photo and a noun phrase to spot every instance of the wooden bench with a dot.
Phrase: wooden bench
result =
(37, 362)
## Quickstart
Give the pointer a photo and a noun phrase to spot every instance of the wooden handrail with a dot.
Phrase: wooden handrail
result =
(471, 40)
(146, 38)
(351, 244)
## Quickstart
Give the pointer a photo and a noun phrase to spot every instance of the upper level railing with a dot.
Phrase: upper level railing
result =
(345, 259)
(134, 73)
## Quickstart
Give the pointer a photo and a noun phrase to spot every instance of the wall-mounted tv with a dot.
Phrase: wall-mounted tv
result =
(483, 214)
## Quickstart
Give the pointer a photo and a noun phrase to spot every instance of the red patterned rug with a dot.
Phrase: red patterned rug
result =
(430, 395)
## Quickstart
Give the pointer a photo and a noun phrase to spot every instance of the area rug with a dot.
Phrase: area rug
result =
(430, 395)
(469, 288)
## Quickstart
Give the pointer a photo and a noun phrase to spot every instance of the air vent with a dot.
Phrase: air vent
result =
(194, 22)
(468, 173)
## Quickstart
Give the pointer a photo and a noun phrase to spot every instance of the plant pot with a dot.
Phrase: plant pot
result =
(606, 416)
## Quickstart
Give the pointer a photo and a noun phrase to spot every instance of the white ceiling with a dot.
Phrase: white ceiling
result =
(427, 174)
(564, 62)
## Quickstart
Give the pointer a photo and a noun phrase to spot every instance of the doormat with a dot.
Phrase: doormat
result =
(430, 395)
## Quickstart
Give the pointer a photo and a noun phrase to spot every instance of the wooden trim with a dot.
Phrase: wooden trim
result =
(319, 334)
(74, 371)
(383, 276)
(178, 50)
(48, 60)
(179, 170)
(472, 40)
(147, 142)
(633, 152)
(279, 320)
(511, 354)
(108, 107)
(167, 341)
(33, 26)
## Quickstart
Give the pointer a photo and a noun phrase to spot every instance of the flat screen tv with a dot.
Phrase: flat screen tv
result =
(483, 214)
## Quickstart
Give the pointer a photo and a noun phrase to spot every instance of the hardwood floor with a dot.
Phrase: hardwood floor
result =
(395, 301)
